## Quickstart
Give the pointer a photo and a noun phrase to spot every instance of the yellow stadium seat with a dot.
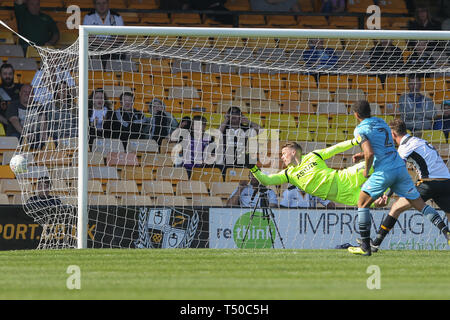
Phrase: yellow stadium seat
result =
(313, 121)
(206, 201)
(367, 83)
(102, 200)
(237, 174)
(121, 187)
(137, 173)
(301, 81)
(281, 121)
(6, 173)
(190, 188)
(434, 136)
(207, 175)
(171, 173)
(333, 82)
(344, 121)
(252, 20)
(156, 188)
(4, 199)
(330, 136)
(223, 189)
(299, 134)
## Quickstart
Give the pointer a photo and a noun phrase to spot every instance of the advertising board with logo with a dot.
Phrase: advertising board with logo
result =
(316, 229)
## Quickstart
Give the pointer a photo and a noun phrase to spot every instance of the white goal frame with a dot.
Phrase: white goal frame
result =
(86, 31)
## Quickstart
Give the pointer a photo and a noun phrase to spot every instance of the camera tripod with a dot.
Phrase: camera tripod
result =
(267, 214)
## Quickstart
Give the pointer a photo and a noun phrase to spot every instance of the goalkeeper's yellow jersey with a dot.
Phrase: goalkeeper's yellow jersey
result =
(314, 176)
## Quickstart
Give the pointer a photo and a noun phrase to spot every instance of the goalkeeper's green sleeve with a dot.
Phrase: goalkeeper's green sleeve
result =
(269, 180)
(337, 148)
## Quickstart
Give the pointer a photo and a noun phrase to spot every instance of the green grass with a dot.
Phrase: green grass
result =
(223, 274)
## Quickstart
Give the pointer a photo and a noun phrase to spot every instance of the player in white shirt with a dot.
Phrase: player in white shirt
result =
(433, 183)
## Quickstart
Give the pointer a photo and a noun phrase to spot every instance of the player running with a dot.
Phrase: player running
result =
(311, 174)
(389, 172)
(433, 183)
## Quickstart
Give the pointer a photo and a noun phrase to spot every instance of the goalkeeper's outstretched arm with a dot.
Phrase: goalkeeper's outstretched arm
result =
(337, 148)
(269, 180)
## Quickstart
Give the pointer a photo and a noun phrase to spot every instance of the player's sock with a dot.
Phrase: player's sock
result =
(364, 227)
(386, 226)
(435, 218)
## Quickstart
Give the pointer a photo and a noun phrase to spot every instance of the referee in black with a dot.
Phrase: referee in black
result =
(433, 183)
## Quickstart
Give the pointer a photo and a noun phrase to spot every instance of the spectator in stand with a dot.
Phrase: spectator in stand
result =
(34, 25)
(102, 16)
(130, 123)
(210, 5)
(385, 56)
(246, 194)
(416, 110)
(424, 21)
(334, 6)
(275, 5)
(162, 123)
(294, 197)
(443, 123)
(8, 84)
(236, 129)
(319, 57)
(101, 116)
(420, 58)
(199, 140)
(63, 118)
(36, 131)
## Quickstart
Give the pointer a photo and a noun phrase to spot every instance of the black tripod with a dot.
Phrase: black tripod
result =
(267, 214)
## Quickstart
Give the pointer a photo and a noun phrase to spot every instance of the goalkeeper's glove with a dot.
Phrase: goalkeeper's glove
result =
(356, 141)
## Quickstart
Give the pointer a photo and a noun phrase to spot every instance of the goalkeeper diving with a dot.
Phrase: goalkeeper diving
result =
(311, 174)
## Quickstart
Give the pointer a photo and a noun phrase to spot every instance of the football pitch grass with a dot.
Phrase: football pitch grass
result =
(208, 274)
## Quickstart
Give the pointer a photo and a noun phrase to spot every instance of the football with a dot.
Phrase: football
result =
(18, 164)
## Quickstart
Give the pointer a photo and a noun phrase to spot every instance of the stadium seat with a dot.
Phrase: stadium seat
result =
(94, 186)
(329, 136)
(105, 145)
(137, 173)
(4, 199)
(299, 134)
(315, 95)
(367, 83)
(24, 76)
(103, 173)
(183, 93)
(52, 158)
(202, 201)
(296, 107)
(171, 201)
(67, 38)
(267, 81)
(359, 6)
(344, 121)
(223, 189)
(312, 21)
(245, 93)
(238, 5)
(173, 174)
(332, 82)
(6, 37)
(434, 136)
(94, 159)
(261, 106)
(246, 20)
(280, 121)
(6, 173)
(313, 121)
(23, 63)
(121, 187)
(383, 98)
(121, 159)
(10, 186)
(67, 173)
(142, 146)
(234, 80)
(11, 50)
(349, 95)
(236, 174)
(281, 21)
(301, 81)
(343, 22)
(136, 200)
(156, 160)
(284, 95)
(190, 188)
(331, 108)
(207, 175)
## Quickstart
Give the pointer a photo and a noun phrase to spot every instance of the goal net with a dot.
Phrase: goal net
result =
(170, 113)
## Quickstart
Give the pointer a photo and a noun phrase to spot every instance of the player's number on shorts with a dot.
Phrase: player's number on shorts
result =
(387, 141)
